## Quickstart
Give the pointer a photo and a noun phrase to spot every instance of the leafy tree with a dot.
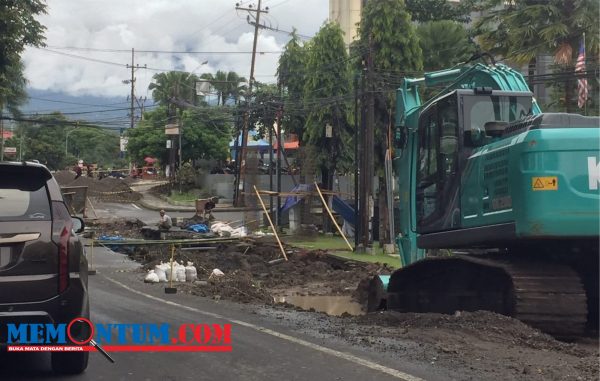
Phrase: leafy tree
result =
(520, 30)
(395, 50)
(436, 10)
(444, 44)
(326, 90)
(264, 107)
(387, 32)
(148, 138)
(290, 78)
(94, 145)
(19, 29)
(44, 139)
(206, 134)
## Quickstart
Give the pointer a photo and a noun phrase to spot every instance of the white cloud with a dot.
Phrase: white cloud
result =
(177, 25)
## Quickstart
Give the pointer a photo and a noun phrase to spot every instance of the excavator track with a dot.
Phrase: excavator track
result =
(547, 296)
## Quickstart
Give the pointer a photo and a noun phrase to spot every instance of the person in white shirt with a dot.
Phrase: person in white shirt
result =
(165, 221)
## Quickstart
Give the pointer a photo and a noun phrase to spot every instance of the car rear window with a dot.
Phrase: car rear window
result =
(23, 195)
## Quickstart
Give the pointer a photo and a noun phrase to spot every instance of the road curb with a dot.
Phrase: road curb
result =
(177, 208)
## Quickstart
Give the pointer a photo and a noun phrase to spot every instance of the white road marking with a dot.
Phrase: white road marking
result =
(343, 355)
(135, 206)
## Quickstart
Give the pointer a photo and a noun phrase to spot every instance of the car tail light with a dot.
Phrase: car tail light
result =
(61, 232)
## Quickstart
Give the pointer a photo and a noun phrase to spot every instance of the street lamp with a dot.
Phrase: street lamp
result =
(67, 140)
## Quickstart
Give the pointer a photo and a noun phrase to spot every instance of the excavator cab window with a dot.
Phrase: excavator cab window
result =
(486, 116)
(438, 162)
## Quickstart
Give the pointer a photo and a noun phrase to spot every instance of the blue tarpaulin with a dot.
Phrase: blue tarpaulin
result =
(339, 206)
(343, 209)
(291, 201)
(198, 228)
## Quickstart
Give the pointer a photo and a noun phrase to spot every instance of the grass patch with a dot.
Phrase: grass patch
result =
(189, 196)
(337, 246)
(180, 197)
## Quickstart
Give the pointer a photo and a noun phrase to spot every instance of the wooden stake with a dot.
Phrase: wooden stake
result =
(172, 257)
(270, 222)
(333, 219)
(92, 206)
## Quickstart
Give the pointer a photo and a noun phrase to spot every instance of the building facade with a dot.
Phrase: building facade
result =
(347, 14)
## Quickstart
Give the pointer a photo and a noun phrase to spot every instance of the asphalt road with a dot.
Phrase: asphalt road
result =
(262, 349)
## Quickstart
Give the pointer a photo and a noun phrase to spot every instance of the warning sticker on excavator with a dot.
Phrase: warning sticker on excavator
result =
(548, 183)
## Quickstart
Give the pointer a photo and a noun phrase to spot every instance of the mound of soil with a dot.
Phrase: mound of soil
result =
(64, 177)
(129, 227)
(256, 272)
(107, 189)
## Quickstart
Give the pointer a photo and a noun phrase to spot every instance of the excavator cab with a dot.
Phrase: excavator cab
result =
(450, 130)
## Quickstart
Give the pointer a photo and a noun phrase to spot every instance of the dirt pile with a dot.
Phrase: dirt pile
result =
(107, 189)
(129, 227)
(256, 272)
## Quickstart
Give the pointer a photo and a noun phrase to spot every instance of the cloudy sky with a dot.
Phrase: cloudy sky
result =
(89, 41)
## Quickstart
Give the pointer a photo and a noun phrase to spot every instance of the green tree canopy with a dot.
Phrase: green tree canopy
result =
(206, 134)
(327, 92)
(291, 72)
(19, 28)
(44, 139)
(227, 85)
(519, 31)
(444, 44)
(436, 10)
(175, 90)
(396, 52)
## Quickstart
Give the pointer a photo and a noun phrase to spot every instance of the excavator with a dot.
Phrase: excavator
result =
(499, 203)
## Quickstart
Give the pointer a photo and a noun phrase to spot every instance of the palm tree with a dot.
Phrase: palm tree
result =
(174, 89)
(520, 30)
(235, 86)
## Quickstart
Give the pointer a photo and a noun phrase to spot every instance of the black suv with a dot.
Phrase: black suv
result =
(43, 269)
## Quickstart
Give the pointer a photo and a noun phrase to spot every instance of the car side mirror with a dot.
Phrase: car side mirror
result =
(78, 224)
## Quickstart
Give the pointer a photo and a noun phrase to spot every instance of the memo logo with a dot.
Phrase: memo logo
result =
(593, 173)
(83, 335)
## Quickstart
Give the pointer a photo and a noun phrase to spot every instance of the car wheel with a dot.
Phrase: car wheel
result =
(69, 363)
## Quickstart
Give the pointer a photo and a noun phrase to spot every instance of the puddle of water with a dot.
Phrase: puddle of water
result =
(331, 305)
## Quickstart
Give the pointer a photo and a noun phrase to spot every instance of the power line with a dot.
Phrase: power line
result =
(102, 50)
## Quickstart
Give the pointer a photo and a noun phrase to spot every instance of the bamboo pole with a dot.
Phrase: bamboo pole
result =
(270, 222)
(333, 219)
(172, 258)
(92, 206)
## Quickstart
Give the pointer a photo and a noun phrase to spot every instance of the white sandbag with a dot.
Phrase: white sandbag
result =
(221, 229)
(239, 232)
(191, 274)
(168, 272)
(215, 227)
(216, 273)
(160, 273)
(151, 277)
(180, 273)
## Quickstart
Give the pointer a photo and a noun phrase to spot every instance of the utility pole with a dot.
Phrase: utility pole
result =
(132, 82)
(132, 88)
(357, 165)
(370, 140)
(241, 185)
(2, 135)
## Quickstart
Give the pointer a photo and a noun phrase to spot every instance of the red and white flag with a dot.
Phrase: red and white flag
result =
(582, 83)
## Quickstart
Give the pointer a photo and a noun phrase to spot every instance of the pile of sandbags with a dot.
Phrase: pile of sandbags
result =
(164, 271)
